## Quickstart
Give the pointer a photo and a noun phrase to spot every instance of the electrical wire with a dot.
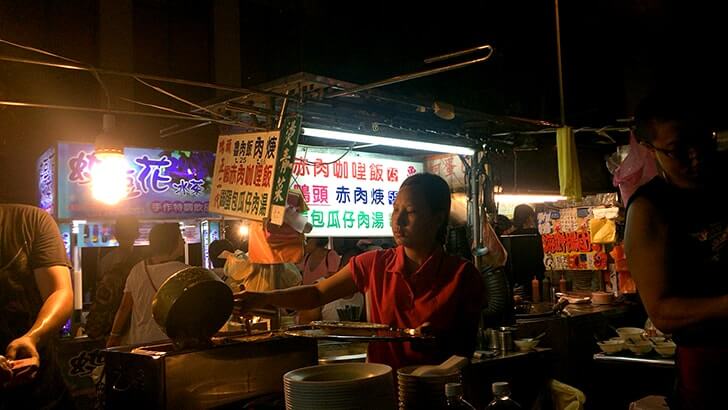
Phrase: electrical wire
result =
(349, 148)
(39, 51)
(96, 75)
(178, 98)
(91, 68)
(191, 116)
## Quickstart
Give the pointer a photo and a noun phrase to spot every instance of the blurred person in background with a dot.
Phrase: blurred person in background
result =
(525, 250)
(214, 250)
(524, 220)
(318, 261)
(503, 225)
(355, 302)
(113, 271)
(135, 312)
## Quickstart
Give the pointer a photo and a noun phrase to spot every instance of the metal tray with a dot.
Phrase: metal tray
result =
(356, 335)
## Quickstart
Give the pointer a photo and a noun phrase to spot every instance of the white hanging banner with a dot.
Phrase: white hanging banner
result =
(349, 194)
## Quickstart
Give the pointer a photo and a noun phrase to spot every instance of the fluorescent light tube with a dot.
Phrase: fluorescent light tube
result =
(527, 198)
(390, 142)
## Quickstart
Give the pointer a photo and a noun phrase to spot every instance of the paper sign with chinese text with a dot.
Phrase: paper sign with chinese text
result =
(244, 171)
(161, 184)
(567, 241)
(349, 194)
(449, 167)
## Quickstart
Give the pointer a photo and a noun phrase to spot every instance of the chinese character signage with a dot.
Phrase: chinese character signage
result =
(352, 194)
(286, 156)
(567, 241)
(245, 168)
(160, 183)
(46, 181)
(449, 167)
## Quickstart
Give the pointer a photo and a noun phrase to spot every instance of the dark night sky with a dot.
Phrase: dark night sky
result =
(613, 52)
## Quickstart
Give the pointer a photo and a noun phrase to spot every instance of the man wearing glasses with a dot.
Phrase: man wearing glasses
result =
(677, 249)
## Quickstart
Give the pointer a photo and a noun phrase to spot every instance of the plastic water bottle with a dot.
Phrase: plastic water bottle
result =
(454, 395)
(501, 400)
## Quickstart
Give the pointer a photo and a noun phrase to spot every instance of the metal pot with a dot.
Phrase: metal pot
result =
(191, 306)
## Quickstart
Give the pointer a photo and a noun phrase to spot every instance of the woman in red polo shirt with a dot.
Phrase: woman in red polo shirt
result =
(414, 284)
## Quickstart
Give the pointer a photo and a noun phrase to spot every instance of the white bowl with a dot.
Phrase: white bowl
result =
(611, 346)
(639, 348)
(525, 345)
(630, 334)
(665, 349)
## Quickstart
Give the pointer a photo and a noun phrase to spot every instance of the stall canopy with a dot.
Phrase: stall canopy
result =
(521, 151)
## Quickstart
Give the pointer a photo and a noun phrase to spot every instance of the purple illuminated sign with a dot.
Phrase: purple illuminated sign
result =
(160, 183)
(46, 180)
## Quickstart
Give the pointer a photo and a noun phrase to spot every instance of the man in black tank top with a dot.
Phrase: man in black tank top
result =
(677, 250)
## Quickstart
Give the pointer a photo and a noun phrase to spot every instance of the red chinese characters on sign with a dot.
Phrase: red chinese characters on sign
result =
(229, 174)
(359, 170)
(566, 242)
(320, 168)
(320, 194)
(267, 175)
(341, 169)
(392, 175)
(305, 191)
(449, 166)
(375, 172)
(300, 167)
(240, 180)
(249, 174)
(221, 146)
(258, 176)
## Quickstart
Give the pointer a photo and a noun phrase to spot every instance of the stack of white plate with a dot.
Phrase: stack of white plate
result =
(340, 386)
(423, 392)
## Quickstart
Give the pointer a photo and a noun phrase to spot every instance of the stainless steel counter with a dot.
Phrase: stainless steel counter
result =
(649, 359)
(589, 309)
(488, 356)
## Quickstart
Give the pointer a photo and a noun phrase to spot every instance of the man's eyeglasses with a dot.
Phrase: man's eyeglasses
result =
(682, 151)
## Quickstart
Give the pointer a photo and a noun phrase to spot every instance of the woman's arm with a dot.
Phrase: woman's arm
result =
(339, 285)
(646, 243)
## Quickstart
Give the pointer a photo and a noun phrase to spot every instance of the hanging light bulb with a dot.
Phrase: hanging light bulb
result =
(243, 230)
(109, 182)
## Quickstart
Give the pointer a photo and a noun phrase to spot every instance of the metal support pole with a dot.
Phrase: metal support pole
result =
(561, 68)
(475, 200)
